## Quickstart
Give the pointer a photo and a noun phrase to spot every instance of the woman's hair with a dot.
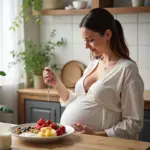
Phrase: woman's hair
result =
(99, 20)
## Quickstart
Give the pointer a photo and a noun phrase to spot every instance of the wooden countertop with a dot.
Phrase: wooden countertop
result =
(82, 142)
(53, 92)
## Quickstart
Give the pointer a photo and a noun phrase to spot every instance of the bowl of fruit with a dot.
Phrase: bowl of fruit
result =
(42, 131)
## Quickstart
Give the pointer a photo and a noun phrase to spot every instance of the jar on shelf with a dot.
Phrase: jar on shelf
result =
(53, 4)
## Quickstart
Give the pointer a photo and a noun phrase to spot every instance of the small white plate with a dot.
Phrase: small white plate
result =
(69, 131)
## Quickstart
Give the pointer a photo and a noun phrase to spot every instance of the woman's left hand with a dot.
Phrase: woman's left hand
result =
(86, 130)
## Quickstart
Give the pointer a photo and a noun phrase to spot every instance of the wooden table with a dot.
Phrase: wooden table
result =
(82, 142)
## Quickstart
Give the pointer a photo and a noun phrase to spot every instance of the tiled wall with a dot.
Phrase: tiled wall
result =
(137, 32)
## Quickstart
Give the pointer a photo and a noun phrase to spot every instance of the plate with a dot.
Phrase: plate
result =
(69, 131)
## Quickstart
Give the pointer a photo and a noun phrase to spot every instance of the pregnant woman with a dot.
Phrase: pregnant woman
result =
(108, 99)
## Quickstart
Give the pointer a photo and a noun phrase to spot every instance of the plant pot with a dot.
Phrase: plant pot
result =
(53, 4)
(39, 82)
(136, 3)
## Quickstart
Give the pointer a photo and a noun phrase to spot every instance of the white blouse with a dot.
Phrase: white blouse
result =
(113, 104)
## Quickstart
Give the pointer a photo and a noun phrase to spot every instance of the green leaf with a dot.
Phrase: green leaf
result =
(2, 73)
(6, 109)
(27, 18)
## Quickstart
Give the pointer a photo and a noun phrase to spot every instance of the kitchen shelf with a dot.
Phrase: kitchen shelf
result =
(63, 12)
(127, 10)
(113, 10)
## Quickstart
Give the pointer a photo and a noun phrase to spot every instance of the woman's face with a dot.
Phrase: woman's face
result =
(95, 42)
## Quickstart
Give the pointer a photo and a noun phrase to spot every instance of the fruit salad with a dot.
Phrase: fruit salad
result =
(43, 129)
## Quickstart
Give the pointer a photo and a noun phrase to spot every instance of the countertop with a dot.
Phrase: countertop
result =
(78, 141)
(53, 92)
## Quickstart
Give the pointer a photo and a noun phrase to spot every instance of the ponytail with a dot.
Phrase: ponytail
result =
(118, 43)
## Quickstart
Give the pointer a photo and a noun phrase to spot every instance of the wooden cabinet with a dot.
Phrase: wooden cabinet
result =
(33, 104)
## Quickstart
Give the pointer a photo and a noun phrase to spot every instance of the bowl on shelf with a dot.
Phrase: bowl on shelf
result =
(136, 3)
(80, 4)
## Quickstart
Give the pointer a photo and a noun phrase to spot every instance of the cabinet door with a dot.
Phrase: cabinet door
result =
(34, 110)
(145, 133)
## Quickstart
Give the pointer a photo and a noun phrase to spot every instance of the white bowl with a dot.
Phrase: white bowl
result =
(79, 4)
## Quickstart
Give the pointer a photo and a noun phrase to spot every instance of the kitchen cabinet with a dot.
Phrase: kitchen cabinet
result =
(34, 110)
(145, 133)
(95, 4)
(34, 104)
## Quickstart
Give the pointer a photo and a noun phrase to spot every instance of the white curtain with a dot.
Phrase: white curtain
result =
(9, 9)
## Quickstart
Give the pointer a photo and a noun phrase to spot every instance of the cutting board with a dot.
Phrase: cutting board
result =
(71, 73)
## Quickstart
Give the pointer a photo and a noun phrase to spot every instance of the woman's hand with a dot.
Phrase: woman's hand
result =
(86, 130)
(49, 77)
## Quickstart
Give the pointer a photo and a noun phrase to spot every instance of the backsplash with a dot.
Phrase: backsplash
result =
(136, 29)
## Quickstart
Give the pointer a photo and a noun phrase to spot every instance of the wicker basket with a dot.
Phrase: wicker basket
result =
(53, 4)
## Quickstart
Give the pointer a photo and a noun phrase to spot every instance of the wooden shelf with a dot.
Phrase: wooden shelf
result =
(127, 10)
(115, 10)
(63, 12)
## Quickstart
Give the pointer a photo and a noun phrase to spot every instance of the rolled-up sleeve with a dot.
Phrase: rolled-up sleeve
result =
(71, 97)
(132, 105)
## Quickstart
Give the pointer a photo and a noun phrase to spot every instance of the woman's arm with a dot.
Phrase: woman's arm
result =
(66, 95)
(132, 105)
(62, 90)
(51, 79)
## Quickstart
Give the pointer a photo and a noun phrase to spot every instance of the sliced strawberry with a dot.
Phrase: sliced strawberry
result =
(63, 129)
(59, 132)
(41, 121)
(37, 127)
(48, 122)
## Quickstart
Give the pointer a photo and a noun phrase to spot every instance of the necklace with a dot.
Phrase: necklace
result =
(109, 66)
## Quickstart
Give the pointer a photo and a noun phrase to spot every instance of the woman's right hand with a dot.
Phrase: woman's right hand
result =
(49, 77)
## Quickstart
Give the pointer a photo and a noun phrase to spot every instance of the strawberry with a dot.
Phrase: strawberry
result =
(37, 127)
(63, 129)
(44, 125)
(41, 121)
(59, 132)
(53, 126)
(48, 122)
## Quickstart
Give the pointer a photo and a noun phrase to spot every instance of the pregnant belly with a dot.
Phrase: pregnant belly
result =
(84, 111)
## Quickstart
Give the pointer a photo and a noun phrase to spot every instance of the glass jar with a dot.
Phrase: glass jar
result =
(5, 136)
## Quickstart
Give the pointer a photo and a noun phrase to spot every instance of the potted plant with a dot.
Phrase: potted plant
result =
(35, 58)
(4, 108)
(28, 7)
(31, 6)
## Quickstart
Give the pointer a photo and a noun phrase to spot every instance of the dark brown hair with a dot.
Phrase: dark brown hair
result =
(99, 20)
